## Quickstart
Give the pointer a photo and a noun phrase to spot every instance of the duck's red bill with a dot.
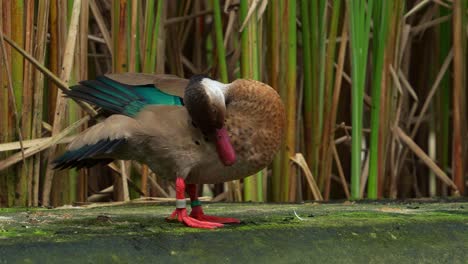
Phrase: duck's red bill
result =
(223, 145)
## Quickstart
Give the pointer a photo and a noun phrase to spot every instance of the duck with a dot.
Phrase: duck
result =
(191, 131)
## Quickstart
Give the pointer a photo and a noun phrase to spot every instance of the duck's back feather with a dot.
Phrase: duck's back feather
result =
(167, 83)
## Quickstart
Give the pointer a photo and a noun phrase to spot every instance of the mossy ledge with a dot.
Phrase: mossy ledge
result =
(409, 232)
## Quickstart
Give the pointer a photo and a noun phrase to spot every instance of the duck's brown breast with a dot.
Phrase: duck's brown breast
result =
(256, 121)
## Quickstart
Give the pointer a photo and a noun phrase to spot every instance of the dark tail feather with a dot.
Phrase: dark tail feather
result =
(88, 155)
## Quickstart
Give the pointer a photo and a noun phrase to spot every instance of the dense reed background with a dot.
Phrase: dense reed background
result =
(375, 92)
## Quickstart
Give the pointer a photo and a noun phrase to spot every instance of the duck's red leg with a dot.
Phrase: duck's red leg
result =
(197, 211)
(180, 213)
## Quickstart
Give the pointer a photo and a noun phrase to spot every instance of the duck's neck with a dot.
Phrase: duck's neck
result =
(216, 92)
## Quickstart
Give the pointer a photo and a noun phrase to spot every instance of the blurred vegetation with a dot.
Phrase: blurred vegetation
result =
(375, 92)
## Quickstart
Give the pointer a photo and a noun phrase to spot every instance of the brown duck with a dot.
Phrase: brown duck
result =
(192, 131)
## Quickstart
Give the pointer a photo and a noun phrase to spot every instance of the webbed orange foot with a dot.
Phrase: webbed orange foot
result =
(180, 215)
(197, 213)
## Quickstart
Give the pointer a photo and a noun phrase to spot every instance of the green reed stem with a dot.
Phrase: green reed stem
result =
(359, 40)
(220, 42)
(381, 22)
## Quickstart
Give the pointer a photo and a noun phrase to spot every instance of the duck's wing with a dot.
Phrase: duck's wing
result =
(129, 93)
(99, 143)
(127, 96)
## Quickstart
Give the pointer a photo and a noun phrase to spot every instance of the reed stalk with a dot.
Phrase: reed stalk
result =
(289, 175)
(27, 94)
(220, 42)
(134, 58)
(273, 60)
(17, 71)
(359, 40)
(119, 34)
(260, 177)
(334, 112)
(443, 122)
(248, 65)
(59, 180)
(327, 125)
(142, 59)
(55, 50)
(40, 40)
(308, 77)
(311, 130)
(76, 178)
(17, 35)
(7, 178)
(380, 18)
(322, 37)
(20, 185)
(390, 107)
(61, 101)
(459, 94)
(148, 36)
(313, 102)
(120, 62)
(160, 35)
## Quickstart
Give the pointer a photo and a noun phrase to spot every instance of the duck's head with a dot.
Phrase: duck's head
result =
(205, 101)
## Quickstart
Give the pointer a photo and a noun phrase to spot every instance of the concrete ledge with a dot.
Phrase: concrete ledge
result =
(413, 232)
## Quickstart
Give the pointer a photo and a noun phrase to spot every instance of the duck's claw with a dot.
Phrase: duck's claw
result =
(180, 215)
(197, 213)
